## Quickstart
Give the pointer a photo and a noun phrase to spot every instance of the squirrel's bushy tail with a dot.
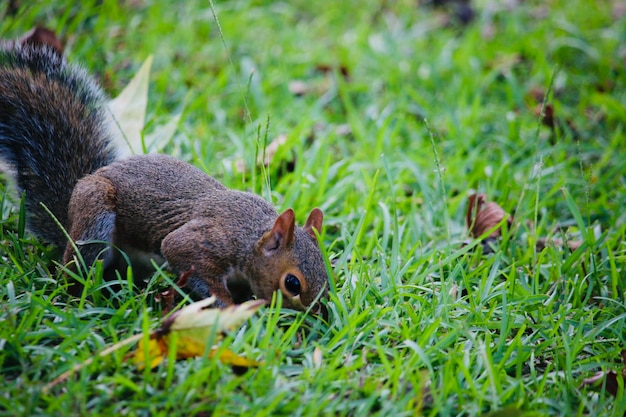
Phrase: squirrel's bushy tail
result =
(54, 130)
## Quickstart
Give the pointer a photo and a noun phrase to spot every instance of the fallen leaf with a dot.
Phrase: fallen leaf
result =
(483, 216)
(609, 379)
(326, 69)
(158, 349)
(192, 328)
(536, 94)
(129, 111)
(547, 115)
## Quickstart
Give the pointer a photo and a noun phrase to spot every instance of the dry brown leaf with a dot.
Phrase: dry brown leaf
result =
(610, 379)
(547, 115)
(329, 69)
(483, 216)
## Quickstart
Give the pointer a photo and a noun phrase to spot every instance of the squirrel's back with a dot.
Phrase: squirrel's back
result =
(54, 130)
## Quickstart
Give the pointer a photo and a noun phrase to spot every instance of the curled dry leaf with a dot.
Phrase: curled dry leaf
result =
(329, 69)
(547, 115)
(608, 379)
(483, 216)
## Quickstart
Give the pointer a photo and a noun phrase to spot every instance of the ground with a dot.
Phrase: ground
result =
(388, 116)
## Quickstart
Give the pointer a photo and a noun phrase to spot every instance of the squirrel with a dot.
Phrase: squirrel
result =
(56, 139)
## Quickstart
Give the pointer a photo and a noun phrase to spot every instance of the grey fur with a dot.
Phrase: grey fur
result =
(41, 99)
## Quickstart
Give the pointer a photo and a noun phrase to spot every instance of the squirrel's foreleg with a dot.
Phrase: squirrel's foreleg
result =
(187, 249)
(92, 221)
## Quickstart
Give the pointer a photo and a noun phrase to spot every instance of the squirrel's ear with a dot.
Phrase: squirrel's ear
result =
(281, 234)
(314, 222)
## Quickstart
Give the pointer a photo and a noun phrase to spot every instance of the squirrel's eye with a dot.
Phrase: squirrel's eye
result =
(292, 284)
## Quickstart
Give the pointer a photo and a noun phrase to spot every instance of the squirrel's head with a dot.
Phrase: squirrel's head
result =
(289, 260)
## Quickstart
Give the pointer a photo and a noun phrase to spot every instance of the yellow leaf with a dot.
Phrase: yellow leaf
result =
(191, 329)
(157, 351)
(229, 358)
(194, 327)
(188, 347)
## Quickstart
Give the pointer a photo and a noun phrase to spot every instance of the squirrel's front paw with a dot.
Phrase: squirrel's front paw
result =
(200, 289)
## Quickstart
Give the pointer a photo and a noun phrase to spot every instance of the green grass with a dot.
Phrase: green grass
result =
(419, 324)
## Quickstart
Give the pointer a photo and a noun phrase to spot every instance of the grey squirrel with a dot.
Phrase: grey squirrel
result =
(55, 139)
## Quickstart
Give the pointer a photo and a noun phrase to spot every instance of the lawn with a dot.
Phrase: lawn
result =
(390, 115)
